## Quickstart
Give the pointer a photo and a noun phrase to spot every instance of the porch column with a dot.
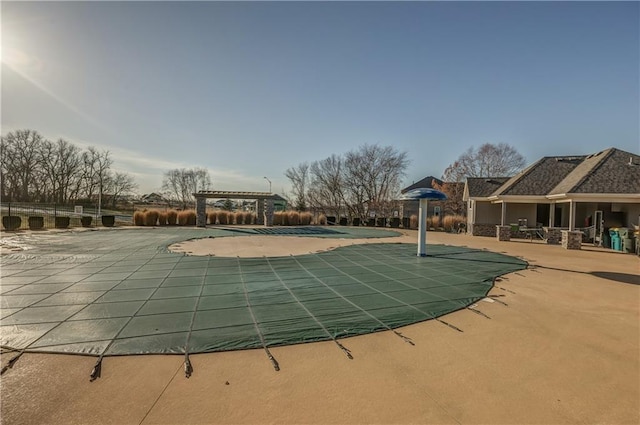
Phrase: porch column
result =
(503, 214)
(552, 214)
(572, 216)
(473, 208)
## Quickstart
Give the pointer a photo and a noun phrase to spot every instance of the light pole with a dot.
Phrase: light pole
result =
(269, 183)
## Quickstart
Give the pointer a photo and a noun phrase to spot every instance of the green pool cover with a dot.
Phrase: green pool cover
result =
(120, 292)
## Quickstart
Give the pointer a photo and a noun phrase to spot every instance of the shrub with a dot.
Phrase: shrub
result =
(322, 220)
(138, 218)
(162, 218)
(230, 217)
(213, 217)
(172, 217)
(278, 218)
(452, 222)
(151, 218)
(239, 217)
(223, 217)
(187, 218)
(293, 218)
(305, 218)
(413, 221)
(433, 222)
(249, 218)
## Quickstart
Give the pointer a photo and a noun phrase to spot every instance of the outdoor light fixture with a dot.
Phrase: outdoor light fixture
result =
(269, 183)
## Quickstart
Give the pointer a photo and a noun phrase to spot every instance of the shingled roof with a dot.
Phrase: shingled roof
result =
(426, 182)
(482, 187)
(609, 171)
(541, 177)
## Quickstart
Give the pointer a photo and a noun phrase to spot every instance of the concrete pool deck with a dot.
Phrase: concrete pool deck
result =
(566, 349)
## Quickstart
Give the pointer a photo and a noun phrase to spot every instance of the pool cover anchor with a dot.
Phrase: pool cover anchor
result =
(274, 362)
(345, 349)
(478, 312)
(96, 371)
(11, 362)
(405, 338)
(188, 369)
(449, 324)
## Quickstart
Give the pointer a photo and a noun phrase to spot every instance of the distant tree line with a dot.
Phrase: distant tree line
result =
(363, 182)
(35, 169)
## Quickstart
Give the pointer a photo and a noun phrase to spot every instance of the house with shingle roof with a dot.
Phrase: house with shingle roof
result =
(560, 192)
(435, 208)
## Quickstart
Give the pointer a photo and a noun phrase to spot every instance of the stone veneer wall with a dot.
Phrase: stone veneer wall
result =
(553, 235)
(503, 233)
(201, 212)
(483, 230)
(571, 240)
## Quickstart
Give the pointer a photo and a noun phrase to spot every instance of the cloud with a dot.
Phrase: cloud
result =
(148, 171)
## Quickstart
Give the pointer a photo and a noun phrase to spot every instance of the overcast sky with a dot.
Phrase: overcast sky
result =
(248, 90)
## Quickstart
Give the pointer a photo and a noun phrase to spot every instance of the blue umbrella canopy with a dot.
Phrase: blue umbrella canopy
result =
(423, 193)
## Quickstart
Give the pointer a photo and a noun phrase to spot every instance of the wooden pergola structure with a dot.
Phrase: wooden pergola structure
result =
(264, 200)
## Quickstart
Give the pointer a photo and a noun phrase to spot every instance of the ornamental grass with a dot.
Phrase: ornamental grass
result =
(187, 218)
(162, 218)
(150, 218)
(452, 222)
(223, 218)
(293, 218)
(172, 217)
(305, 218)
(138, 218)
(213, 217)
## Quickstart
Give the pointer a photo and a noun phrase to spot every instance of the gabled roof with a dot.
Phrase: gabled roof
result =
(482, 187)
(541, 177)
(426, 182)
(608, 171)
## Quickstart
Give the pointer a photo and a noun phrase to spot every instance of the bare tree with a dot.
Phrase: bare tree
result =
(119, 185)
(373, 175)
(180, 184)
(299, 178)
(326, 189)
(20, 156)
(60, 163)
(488, 160)
(362, 181)
(453, 205)
(96, 172)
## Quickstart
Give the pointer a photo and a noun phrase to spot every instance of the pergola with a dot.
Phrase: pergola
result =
(264, 200)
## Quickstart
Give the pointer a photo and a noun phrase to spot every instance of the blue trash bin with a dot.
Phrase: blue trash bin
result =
(616, 242)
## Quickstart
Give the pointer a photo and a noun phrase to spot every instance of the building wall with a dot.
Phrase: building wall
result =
(487, 213)
(516, 212)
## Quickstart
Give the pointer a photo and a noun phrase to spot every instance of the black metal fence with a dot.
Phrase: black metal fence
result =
(22, 216)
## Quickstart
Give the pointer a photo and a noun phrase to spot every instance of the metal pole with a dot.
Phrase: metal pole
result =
(422, 229)
(269, 184)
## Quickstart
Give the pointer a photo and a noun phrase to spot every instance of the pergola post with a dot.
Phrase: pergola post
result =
(201, 211)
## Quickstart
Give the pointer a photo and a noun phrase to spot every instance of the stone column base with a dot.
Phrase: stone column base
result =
(571, 239)
(503, 233)
(553, 235)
